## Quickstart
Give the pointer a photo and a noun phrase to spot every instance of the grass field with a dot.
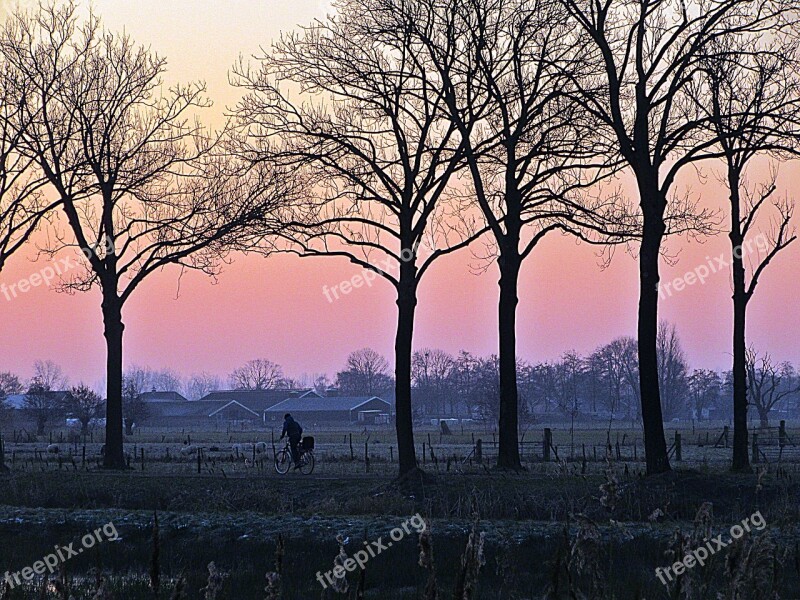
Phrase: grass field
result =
(565, 527)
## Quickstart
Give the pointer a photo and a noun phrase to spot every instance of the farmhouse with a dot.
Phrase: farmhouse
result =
(256, 400)
(154, 396)
(216, 409)
(339, 409)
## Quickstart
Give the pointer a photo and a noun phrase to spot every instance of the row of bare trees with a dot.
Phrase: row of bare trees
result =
(397, 132)
(602, 385)
(514, 115)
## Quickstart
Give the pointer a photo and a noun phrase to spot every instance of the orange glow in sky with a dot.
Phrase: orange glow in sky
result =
(275, 308)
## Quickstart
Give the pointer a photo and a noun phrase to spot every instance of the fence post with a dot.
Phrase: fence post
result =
(782, 434)
(366, 456)
(479, 450)
(755, 448)
(352, 455)
(142, 451)
(583, 462)
(678, 454)
(548, 441)
(725, 431)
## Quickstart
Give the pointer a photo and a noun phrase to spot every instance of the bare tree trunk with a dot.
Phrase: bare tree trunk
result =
(652, 419)
(508, 450)
(406, 306)
(741, 457)
(112, 317)
(763, 417)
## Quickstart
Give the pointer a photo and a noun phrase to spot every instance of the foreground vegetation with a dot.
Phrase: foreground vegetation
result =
(548, 532)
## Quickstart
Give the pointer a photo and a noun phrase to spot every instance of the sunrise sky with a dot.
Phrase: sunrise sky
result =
(275, 308)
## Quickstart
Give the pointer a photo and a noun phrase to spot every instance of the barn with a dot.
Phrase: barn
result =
(254, 400)
(215, 410)
(338, 409)
(157, 397)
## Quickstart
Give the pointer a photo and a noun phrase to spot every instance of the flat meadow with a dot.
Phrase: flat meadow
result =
(204, 514)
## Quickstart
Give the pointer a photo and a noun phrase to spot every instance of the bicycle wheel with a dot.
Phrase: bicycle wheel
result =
(283, 460)
(307, 462)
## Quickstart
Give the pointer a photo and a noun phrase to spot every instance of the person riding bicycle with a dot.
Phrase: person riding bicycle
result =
(295, 432)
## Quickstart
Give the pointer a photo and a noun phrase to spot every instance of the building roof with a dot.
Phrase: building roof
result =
(255, 400)
(18, 400)
(151, 397)
(316, 403)
(234, 404)
(216, 403)
(196, 408)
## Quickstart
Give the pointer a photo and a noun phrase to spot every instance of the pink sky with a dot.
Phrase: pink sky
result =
(275, 308)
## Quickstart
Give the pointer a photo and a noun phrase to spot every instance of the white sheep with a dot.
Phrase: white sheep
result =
(261, 447)
(53, 449)
(189, 450)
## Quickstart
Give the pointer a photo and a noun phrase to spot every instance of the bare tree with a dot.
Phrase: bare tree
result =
(476, 385)
(432, 371)
(23, 207)
(140, 184)
(567, 384)
(768, 383)
(648, 54)
(84, 404)
(134, 408)
(201, 384)
(704, 390)
(10, 384)
(366, 373)
(49, 375)
(318, 382)
(44, 398)
(751, 99)
(529, 151)
(618, 372)
(367, 123)
(42, 404)
(148, 379)
(166, 380)
(673, 371)
(258, 374)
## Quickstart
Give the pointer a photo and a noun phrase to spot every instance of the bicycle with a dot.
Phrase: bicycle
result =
(284, 460)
